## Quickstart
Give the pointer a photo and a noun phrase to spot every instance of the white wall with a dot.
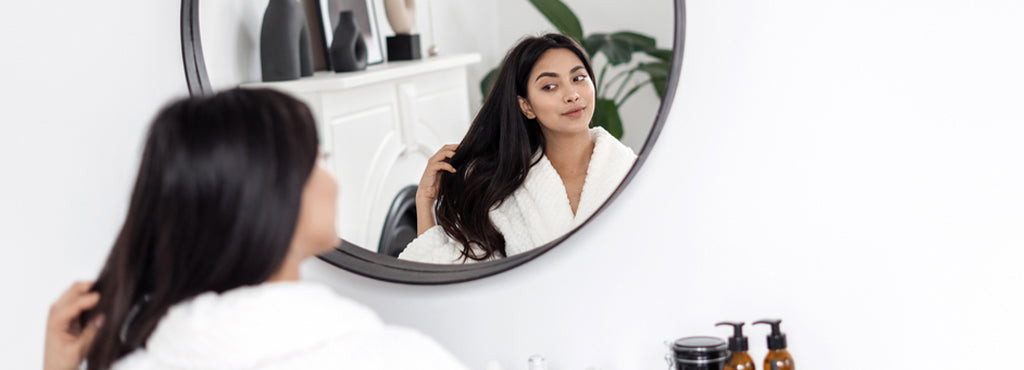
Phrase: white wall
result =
(230, 31)
(81, 82)
(852, 167)
(856, 163)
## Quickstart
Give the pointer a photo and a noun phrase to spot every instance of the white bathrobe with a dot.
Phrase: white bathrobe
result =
(282, 325)
(538, 211)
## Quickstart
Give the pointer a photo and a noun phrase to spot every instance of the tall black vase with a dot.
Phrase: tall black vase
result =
(286, 52)
(348, 49)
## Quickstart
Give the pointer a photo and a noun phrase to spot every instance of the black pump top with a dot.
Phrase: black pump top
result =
(776, 339)
(737, 342)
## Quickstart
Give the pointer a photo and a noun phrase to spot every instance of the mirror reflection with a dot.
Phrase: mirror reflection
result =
(513, 126)
(529, 169)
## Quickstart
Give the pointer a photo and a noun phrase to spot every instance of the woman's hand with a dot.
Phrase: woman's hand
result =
(67, 342)
(429, 186)
(429, 183)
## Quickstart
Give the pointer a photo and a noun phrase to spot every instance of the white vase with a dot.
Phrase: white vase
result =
(401, 15)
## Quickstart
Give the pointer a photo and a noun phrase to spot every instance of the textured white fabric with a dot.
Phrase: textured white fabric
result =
(282, 325)
(539, 211)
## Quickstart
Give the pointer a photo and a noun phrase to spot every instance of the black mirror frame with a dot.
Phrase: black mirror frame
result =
(370, 264)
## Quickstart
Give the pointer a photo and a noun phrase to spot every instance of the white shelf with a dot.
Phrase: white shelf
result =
(327, 80)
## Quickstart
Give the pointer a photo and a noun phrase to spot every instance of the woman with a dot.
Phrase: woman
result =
(528, 170)
(228, 202)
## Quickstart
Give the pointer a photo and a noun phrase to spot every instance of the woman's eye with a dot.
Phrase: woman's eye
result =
(580, 78)
(548, 87)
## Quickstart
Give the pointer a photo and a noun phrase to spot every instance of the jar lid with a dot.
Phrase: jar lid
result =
(700, 350)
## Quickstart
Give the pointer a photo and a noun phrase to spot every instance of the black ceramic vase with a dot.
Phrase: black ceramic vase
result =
(348, 49)
(286, 52)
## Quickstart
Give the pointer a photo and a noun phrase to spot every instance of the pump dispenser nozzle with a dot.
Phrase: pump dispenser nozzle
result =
(737, 342)
(776, 339)
(739, 358)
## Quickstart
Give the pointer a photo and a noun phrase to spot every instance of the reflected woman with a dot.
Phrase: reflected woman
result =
(529, 169)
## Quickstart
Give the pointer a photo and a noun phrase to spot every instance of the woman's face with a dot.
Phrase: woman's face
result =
(314, 231)
(560, 93)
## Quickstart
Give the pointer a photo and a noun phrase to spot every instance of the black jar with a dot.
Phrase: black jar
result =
(699, 353)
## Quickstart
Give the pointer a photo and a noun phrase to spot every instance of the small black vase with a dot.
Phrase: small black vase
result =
(286, 52)
(348, 49)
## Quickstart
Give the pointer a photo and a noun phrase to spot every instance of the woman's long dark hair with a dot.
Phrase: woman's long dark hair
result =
(214, 207)
(497, 152)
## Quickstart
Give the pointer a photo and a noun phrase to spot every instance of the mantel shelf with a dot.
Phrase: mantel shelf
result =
(327, 80)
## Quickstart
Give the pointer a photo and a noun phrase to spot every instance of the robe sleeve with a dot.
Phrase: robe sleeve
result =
(434, 246)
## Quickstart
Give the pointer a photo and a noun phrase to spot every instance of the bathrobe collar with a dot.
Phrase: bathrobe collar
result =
(608, 164)
(243, 328)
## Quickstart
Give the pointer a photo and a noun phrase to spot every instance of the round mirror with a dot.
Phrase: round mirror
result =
(406, 94)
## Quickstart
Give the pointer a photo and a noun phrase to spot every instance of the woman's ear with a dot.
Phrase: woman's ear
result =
(524, 105)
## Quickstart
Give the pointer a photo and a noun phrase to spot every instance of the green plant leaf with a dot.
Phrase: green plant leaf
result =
(655, 69)
(658, 71)
(487, 82)
(638, 41)
(617, 50)
(618, 47)
(593, 44)
(560, 16)
(664, 55)
(607, 116)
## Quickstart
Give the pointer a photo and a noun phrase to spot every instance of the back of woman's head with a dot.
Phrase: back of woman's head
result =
(496, 154)
(214, 207)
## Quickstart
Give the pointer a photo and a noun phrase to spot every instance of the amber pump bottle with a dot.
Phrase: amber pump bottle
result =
(739, 359)
(778, 358)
